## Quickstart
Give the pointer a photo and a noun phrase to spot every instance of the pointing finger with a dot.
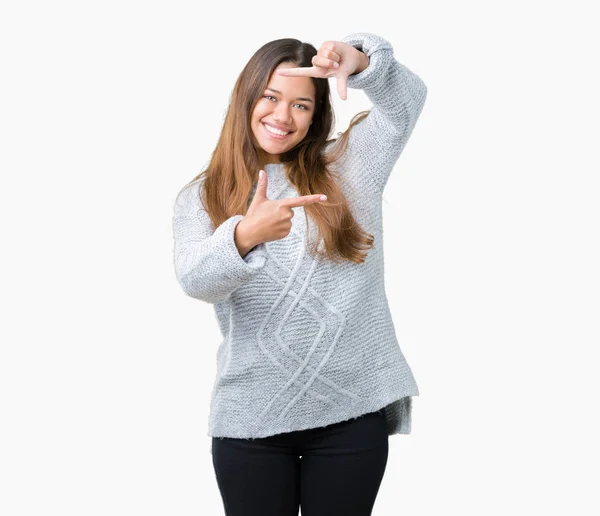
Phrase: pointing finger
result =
(304, 71)
(303, 200)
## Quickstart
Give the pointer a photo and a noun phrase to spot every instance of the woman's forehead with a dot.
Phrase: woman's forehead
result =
(291, 86)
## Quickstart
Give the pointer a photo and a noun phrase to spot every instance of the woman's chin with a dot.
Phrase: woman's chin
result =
(271, 148)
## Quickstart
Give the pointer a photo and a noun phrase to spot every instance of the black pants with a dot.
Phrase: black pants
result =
(327, 471)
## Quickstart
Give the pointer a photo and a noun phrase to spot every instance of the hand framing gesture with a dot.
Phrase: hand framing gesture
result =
(334, 59)
(268, 219)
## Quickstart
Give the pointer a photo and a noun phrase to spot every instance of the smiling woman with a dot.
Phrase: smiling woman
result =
(310, 378)
(278, 117)
(283, 116)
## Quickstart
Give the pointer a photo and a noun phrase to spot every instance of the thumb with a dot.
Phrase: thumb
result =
(261, 187)
(342, 86)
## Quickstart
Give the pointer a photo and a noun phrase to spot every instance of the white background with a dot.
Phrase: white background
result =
(491, 239)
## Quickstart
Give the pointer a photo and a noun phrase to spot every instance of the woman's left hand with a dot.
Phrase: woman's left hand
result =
(334, 59)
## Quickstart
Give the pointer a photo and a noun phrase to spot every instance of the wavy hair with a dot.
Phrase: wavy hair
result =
(233, 169)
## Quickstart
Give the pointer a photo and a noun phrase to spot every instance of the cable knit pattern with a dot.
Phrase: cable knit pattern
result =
(307, 342)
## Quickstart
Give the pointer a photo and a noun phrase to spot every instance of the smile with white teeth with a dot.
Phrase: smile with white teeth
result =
(275, 131)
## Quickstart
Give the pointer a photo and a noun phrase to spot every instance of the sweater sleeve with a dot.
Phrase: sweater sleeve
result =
(397, 95)
(207, 263)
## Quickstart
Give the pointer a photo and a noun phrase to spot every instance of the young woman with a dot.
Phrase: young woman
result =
(310, 378)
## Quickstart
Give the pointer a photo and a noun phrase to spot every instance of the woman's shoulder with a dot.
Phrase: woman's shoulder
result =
(331, 146)
(190, 193)
(337, 148)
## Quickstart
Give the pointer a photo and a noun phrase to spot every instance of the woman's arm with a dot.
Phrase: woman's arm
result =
(208, 264)
(398, 96)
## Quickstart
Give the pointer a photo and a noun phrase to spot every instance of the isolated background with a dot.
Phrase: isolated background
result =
(491, 220)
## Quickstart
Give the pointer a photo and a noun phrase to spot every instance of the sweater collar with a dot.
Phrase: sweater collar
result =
(277, 180)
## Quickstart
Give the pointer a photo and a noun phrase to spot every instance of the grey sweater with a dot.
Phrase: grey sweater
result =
(308, 343)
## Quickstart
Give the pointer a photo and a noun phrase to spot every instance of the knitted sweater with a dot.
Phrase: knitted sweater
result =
(308, 343)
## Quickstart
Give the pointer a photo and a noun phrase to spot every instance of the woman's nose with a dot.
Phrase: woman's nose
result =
(282, 113)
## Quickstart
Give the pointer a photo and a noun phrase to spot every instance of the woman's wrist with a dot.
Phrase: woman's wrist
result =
(363, 62)
(242, 240)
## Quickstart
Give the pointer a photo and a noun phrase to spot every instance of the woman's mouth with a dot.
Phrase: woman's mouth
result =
(274, 133)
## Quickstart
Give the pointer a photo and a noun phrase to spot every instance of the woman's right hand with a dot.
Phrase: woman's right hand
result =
(267, 220)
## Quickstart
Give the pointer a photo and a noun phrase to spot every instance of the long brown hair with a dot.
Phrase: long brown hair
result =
(233, 168)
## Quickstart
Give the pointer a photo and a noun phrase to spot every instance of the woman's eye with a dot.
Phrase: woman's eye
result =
(271, 97)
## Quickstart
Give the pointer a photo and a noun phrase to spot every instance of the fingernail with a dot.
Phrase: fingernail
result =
(336, 65)
(323, 197)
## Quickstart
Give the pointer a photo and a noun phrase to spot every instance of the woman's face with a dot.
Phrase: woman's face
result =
(288, 104)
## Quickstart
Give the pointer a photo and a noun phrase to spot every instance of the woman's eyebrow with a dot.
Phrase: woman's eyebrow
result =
(299, 98)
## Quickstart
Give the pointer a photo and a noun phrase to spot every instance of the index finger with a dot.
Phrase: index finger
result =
(294, 202)
(303, 71)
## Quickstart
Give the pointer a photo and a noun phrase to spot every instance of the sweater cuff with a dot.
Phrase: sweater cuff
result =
(377, 49)
(238, 269)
